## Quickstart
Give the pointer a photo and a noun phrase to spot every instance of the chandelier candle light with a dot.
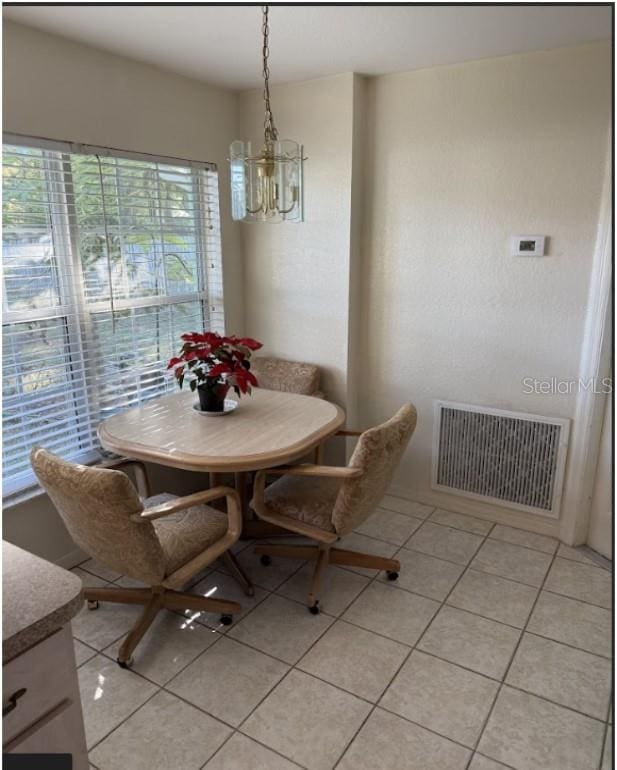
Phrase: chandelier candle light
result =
(266, 187)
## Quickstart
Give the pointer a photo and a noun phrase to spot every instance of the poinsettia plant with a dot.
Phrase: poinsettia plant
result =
(210, 360)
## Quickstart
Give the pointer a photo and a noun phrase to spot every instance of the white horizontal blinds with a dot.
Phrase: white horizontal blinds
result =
(108, 258)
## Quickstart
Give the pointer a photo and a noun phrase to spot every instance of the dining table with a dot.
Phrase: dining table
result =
(267, 429)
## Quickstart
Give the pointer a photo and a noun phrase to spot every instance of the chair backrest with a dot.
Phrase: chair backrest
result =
(377, 454)
(95, 505)
(288, 376)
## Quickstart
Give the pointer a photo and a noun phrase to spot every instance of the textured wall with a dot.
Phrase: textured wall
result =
(460, 158)
(297, 275)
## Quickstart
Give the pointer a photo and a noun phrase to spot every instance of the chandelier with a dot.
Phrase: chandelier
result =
(266, 187)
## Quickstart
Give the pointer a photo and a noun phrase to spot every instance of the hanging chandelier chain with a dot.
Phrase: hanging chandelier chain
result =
(270, 132)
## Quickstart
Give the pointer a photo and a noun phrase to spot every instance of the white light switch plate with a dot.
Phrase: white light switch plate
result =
(527, 245)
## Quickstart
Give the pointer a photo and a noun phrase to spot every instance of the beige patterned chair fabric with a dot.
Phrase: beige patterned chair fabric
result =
(185, 534)
(287, 376)
(304, 498)
(96, 504)
(337, 505)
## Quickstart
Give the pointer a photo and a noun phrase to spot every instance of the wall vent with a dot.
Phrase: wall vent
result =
(507, 458)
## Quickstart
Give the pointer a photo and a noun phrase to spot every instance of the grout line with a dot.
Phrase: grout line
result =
(513, 655)
(603, 748)
(485, 756)
(371, 581)
(407, 657)
(576, 599)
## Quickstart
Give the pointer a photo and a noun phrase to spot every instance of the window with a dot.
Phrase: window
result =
(107, 258)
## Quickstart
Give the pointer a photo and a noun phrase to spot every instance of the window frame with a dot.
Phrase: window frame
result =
(77, 311)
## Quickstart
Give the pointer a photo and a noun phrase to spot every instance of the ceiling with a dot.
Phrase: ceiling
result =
(221, 44)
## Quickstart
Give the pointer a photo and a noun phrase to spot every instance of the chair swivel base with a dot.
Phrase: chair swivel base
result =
(324, 555)
(155, 599)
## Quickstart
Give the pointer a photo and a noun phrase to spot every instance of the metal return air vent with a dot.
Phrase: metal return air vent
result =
(511, 459)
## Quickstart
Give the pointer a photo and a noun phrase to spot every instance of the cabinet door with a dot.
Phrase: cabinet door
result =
(56, 733)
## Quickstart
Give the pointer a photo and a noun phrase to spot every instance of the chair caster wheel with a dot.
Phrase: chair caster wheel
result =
(265, 560)
(125, 663)
(314, 609)
(226, 620)
(392, 575)
(93, 605)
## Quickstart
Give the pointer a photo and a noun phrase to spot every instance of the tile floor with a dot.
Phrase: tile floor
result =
(491, 651)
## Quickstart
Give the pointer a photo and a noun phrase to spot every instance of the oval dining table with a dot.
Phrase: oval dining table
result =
(268, 428)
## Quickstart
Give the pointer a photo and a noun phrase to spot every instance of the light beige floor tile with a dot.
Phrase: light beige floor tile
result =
(389, 742)
(307, 720)
(607, 755)
(339, 587)
(242, 753)
(400, 615)
(127, 582)
(100, 570)
(219, 585)
(269, 577)
(482, 645)
(88, 579)
(512, 562)
(570, 677)
(573, 622)
(408, 507)
(445, 543)
(241, 545)
(461, 521)
(426, 575)
(356, 660)
(445, 698)
(108, 695)
(281, 628)
(164, 733)
(228, 680)
(168, 646)
(578, 554)
(494, 597)
(524, 538)
(363, 544)
(82, 652)
(580, 581)
(483, 763)
(530, 733)
(390, 526)
(99, 628)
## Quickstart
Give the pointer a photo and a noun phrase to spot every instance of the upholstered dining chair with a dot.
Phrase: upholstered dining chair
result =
(325, 502)
(161, 541)
(288, 376)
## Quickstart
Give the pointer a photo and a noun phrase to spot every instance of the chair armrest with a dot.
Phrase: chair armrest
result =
(234, 514)
(141, 474)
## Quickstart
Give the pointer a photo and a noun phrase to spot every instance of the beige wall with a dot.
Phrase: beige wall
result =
(297, 275)
(442, 166)
(55, 88)
(600, 536)
(460, 158)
